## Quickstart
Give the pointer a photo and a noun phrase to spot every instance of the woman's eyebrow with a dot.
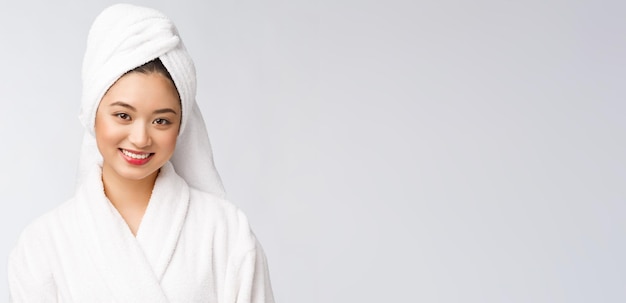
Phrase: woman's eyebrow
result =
(158, 111)
(122, 104)
(164, 110)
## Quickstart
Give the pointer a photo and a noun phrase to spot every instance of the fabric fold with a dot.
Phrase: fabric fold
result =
(164, 218)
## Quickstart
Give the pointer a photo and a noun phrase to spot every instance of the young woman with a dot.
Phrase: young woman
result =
(148, 222)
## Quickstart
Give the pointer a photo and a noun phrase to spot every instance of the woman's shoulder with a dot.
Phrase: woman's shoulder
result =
(209, 205)
(41, 228)
(37, 241)
(219, 214)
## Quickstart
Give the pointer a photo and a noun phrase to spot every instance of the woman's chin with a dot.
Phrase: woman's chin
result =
(131, 173)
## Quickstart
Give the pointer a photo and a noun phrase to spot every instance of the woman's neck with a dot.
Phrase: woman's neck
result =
(129, 197)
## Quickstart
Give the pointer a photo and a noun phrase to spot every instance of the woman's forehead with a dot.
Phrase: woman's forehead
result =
(139, 91)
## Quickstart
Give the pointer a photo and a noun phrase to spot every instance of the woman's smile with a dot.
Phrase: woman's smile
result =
(136, 158)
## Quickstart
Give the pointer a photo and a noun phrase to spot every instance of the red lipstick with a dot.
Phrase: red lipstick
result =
(135, 157)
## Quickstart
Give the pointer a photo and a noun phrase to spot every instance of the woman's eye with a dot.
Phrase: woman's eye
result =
(123, 116)
(161, 121)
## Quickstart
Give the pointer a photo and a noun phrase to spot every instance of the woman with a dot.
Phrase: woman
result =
(148, 222)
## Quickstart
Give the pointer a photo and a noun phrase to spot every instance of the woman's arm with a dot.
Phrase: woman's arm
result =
(30, 277)
(248, 280)
(254, 275)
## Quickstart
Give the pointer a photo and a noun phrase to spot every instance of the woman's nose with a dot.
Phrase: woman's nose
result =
(140, 136)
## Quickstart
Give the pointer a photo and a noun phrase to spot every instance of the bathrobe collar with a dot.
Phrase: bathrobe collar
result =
(132, 267)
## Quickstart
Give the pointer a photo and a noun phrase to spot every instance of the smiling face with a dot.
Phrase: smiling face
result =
(137, 124)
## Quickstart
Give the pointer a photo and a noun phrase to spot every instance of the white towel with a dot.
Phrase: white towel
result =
(122, 38)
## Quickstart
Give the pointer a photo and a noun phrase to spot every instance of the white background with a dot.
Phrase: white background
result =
(418, 151)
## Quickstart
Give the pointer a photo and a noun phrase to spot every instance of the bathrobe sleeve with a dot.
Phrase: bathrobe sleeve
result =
(254, 276)
(29, 273)
(247, 277)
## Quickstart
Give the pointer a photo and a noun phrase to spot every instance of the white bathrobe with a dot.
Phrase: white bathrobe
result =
(191, 246)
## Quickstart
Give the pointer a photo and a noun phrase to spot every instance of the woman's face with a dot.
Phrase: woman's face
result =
(137, 125)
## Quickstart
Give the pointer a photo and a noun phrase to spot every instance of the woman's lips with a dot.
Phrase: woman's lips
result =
(135, 157)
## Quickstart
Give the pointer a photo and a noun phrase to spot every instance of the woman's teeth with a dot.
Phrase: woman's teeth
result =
(135, 156)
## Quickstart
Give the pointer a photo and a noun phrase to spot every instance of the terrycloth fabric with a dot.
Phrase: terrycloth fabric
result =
(121, 38)
(191, 247)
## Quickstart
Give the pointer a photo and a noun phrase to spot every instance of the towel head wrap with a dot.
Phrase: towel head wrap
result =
(122, 38)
